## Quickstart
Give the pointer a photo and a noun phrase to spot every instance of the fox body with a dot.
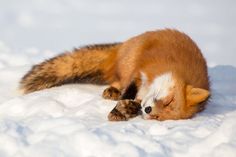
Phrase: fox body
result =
(163, 69)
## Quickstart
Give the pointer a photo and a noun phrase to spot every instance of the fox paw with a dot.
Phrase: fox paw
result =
(124, 110)
(111, 93)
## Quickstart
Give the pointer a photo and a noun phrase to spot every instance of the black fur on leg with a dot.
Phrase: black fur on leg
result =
(130, 91)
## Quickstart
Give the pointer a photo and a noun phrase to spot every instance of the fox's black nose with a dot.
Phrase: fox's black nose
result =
(148, 109)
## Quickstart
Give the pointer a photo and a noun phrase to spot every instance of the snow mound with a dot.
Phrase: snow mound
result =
(71, 121)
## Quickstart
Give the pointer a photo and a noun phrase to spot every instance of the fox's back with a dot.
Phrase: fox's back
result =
(162, 51)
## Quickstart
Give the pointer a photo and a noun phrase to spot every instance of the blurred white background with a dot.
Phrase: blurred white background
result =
(59, 25)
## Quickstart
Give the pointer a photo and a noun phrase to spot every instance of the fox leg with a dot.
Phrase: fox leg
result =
(128, 107)
(113, 92)
(124, 110)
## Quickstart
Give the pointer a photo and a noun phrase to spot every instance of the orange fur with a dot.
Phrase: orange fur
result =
(158, 52)
(153, 53)
(84, 65)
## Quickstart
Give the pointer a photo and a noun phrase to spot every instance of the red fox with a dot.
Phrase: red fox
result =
(162, 73)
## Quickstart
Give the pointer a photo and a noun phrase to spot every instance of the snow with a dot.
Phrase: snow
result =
(71, 121)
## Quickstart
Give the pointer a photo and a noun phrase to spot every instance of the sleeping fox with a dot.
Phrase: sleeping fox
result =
(161, 73)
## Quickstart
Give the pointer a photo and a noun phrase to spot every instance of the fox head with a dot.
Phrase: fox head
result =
(169, 98)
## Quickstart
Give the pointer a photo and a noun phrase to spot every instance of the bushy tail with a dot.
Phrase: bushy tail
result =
(90, 64)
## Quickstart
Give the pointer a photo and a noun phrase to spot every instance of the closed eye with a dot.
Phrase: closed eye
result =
(166, 102)
(165, 105)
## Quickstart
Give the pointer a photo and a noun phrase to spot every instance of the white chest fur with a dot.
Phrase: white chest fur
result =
(159, 88)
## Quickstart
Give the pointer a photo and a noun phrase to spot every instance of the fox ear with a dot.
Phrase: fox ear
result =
(195, 96)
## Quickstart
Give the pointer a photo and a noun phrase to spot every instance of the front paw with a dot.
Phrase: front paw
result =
(124, 110)
(111, 93)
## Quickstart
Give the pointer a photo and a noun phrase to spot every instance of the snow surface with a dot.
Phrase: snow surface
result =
(71, 121)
